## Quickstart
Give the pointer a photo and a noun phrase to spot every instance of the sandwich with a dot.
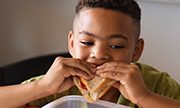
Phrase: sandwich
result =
(93, 89)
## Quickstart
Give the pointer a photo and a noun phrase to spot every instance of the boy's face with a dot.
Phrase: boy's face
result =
(101, 36)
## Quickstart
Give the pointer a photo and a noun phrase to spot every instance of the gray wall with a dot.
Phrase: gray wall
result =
(33, 27)
(30, 28)
(161, 31)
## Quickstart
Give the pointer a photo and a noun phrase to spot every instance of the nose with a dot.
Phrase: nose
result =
(100, 52)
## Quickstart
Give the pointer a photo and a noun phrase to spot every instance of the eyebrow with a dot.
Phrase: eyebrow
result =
(111, 36)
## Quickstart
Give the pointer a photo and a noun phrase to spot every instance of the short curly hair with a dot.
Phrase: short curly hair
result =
(129, 7)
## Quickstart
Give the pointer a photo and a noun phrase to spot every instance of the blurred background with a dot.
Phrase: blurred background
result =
(30, 28)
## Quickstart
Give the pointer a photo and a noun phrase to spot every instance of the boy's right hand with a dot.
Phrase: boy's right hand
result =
(59, 76)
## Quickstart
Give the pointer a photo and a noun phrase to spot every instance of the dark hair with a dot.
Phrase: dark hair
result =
(129, 7)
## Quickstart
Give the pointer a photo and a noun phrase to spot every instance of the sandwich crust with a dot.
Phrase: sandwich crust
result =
(95, 88)
(84, 92)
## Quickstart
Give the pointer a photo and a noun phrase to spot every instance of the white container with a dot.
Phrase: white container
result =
(74, 101)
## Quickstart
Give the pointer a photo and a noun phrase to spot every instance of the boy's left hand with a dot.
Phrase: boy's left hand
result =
(128, 77)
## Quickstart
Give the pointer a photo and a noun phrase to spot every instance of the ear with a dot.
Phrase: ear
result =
(138, 50)
(70, 42)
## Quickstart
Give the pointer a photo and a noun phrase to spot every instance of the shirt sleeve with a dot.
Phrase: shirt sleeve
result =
(160, 82)
(42, 101)
(167, 86)
(45, 100)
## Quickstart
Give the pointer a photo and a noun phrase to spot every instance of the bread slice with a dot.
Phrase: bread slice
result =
(93, 89)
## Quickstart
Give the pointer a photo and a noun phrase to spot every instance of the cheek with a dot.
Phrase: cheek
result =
(80, 53)
(122, 56)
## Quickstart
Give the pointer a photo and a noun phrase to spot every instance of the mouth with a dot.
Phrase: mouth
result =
(96, 64)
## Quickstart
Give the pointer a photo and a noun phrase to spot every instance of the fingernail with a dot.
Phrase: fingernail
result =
(101, 74)
(97, 71)
(99, 67)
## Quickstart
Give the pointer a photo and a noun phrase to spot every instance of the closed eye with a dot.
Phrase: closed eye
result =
(116, 46)
(87, 43)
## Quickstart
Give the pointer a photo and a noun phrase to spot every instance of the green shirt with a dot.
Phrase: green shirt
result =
(156, 81)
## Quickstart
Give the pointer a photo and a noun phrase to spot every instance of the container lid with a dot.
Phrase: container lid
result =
(76, 101)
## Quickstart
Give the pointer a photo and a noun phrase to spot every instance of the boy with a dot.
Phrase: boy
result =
(105, 41)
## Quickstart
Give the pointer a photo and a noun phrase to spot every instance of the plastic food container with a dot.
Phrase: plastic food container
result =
(74, 101)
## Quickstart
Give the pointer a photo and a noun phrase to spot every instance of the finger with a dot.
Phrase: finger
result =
(121, 88)
(77, 72)
(81, 73)
(112, 75)
(115, 76)
(113, 66)
(118, 86)
(123, 91)
(114, 71)
(119, 67)
(110, 64)
(77, 63)
(85, 66)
